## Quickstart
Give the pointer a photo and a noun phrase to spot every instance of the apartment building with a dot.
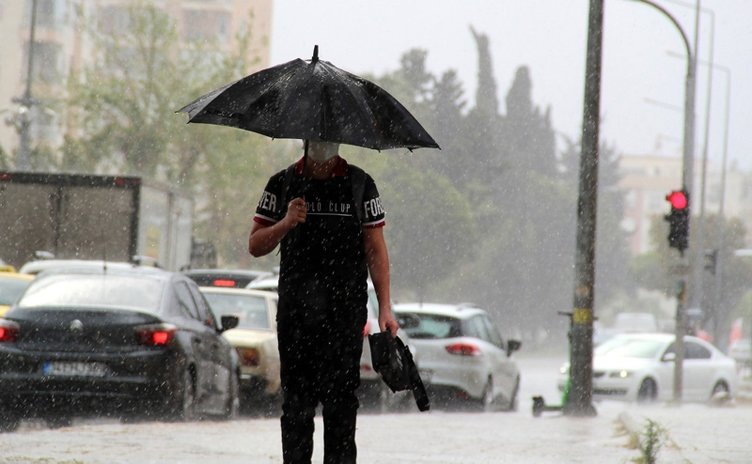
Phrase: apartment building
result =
(61, 45)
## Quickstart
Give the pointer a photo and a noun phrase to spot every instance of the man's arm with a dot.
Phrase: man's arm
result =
(263, 239)
(378, 266)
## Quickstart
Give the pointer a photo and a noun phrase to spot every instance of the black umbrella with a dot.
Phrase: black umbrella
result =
(312, 100)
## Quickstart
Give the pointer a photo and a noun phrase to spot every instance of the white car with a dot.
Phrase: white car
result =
(462, 354)
(373, 392)
(640, 367)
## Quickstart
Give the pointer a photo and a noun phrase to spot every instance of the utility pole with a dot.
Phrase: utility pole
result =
(581, 338)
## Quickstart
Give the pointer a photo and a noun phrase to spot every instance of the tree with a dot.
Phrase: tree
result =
(121, 107)
(528, 134)
(481, 127)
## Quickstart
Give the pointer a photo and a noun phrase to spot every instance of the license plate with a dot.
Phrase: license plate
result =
(74, 369)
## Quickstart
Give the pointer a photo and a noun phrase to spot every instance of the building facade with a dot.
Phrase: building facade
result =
(62, 46)
(647, 179)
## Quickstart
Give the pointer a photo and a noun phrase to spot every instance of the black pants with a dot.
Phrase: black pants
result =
(320, 351)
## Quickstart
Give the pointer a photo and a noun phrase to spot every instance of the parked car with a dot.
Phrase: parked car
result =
(114, 341)
(640, 367)
(740, 351)
(41, 265)
(254, 339)
(228, 278)
(373, 392)
(12, 284)
(462, 354)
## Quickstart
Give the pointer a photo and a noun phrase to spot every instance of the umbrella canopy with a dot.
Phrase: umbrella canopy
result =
(312, 100)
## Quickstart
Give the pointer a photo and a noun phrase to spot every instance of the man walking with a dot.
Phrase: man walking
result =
(327, 216)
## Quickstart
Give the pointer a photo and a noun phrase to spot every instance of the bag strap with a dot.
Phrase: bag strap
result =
(358, 185)
(287, 181)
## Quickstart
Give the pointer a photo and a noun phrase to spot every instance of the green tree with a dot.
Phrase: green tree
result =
(122, 111)
(527, 132)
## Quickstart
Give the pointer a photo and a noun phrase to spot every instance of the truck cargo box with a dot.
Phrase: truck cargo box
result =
(85, 216)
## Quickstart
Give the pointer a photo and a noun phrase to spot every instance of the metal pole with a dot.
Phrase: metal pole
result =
(698, 289)
(687, 181)
(22, 161)
(718, 283)
(581, 362)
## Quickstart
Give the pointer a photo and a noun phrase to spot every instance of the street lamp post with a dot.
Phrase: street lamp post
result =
(687, 179)
(721, 230)
(26, 102)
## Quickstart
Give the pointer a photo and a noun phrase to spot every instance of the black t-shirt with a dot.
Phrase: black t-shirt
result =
(326, 253)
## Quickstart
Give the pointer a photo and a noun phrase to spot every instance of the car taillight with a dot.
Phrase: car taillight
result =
(224, 283)
(366, 329)
(156, 334)
(463, 349)
(8, 331)
(248, 356)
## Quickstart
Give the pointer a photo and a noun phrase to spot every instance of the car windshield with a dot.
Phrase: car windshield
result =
(630, 347)
(11, 289)
(250, 309)
(96, 290)
(434, 326)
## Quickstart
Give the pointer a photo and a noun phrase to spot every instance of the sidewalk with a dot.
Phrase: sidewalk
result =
(698, 433)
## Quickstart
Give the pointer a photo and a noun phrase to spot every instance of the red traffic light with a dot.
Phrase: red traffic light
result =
(678, 199)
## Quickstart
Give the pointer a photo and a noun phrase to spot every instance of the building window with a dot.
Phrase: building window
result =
(47, 61)
(203, 25)
(113, 20)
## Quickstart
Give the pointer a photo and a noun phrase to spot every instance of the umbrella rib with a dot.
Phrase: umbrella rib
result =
(357, 96)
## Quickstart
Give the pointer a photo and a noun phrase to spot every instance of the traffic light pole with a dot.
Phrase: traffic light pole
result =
(687, 180)
(579, 402)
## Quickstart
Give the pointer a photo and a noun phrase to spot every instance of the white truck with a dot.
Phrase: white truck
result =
(82, 216)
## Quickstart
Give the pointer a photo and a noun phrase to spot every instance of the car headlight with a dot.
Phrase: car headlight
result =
(622, 374)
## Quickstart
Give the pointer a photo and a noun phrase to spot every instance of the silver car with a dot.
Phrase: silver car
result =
(462, 354)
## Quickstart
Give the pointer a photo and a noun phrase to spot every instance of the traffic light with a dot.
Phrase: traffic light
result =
(678, 220)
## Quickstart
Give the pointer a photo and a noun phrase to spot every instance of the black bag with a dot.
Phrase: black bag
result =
(393, 360)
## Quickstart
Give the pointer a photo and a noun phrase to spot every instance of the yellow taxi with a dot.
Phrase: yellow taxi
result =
(12, 284)
(254, 340)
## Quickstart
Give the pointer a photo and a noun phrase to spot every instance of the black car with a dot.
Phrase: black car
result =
(114, 341)
(230, 278)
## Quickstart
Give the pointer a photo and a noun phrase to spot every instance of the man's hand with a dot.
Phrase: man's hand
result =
(387, 321)
(264, 237)
(296, 213)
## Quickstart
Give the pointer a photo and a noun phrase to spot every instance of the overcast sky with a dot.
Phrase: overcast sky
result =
(549, 36)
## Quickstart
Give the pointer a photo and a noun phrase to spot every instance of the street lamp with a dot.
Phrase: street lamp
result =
(717, 284)
(23, 115)
(687, 173)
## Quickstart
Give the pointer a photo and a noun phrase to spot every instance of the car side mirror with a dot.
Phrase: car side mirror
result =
(408, 321)
(669, 357)
(229, 322)
(512, 346)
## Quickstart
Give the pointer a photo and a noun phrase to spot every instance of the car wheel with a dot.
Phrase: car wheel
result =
(514, 401)
(232, 408)
(9, 421)
(487, 400)
(184, 399)
(720, 390)
(648, 391)
(58, 422)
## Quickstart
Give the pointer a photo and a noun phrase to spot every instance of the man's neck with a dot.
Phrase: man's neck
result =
(319, 170)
